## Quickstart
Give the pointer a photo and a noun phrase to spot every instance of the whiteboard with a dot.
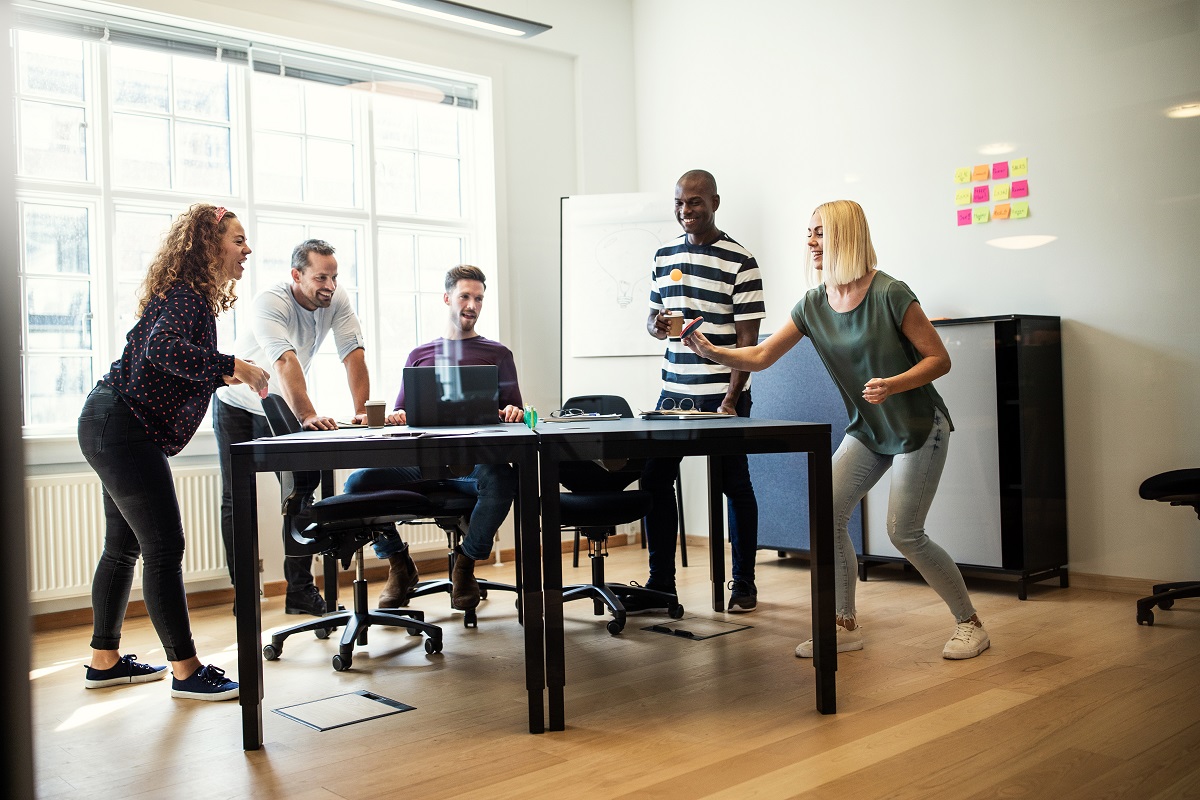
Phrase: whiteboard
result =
(608, 246)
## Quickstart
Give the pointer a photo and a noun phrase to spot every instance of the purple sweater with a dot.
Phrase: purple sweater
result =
(476, 351)
(170, 367)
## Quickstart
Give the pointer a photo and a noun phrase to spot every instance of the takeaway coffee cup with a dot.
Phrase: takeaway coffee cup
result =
(376, 413)
(674, 323)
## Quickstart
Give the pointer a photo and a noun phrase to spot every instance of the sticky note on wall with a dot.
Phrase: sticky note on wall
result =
(1000, 191)
(981, 195)
(979, 216)
(1000, 211)
(999, 170)
(964, 216)
(1020, 210)
(980, 172)
(962, 175)
(962, 197)
(1020, 188)
(1019, 166)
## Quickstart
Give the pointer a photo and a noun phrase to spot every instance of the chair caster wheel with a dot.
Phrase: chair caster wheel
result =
(1165, 604)
(1145, 617)
(413, 631)
(470, 620)
(271, 652)
(322, 633)
(482, 593)
(675, 611)
(342, 663)
(615, 626)
(433, 646)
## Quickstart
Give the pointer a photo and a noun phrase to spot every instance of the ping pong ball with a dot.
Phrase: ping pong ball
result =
(676, 274)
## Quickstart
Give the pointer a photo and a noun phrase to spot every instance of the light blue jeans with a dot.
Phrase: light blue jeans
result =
(915, 476)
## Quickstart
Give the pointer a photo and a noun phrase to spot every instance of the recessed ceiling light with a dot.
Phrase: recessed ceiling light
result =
(1020, 242)
(997, 148)
(1184, 111)
(449, 11)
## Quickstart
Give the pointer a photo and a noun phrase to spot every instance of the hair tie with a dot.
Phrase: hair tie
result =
(220, 213)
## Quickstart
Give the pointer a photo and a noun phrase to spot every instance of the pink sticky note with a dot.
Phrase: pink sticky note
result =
(1000, 170)
(1020, 189)
(964, 216)
(981, 195)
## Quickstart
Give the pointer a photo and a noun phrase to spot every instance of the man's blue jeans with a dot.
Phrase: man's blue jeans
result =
(494, 487)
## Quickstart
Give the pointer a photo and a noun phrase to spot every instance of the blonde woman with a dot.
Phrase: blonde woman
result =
(143, 411)
(883, 354)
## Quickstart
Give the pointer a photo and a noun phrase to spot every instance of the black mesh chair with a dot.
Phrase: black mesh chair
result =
(1179, 487)
(338, 528)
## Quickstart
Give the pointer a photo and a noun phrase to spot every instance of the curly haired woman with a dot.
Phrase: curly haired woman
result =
(143, 411)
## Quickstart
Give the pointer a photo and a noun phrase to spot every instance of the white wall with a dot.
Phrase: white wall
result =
(793, 103)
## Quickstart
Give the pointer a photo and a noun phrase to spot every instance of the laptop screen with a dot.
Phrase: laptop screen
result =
(452, 395)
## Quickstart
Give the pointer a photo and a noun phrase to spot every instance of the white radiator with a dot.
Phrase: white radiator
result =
(64, 523)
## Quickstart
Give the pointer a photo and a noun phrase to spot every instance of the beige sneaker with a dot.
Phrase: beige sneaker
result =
(846, 641)
(968, 641)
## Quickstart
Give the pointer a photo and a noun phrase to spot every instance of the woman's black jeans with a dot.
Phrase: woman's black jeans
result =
(142, 516)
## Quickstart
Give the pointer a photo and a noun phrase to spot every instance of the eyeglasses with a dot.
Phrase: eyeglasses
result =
(682, 404)
(565, 413)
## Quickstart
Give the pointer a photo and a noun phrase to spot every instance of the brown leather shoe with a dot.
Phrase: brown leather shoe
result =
(464, 590)
(402, 579)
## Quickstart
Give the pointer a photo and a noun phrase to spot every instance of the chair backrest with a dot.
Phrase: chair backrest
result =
(280, 416)
(600, 404)
(296, 488)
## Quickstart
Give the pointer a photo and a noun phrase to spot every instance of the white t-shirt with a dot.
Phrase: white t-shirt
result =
(279, 324)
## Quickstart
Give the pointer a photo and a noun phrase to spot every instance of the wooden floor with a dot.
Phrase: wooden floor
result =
(1074, 699)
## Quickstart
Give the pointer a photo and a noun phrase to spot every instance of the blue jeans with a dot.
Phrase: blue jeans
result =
(915, 479)
(662, 523)
(494, 487)
(142, 519)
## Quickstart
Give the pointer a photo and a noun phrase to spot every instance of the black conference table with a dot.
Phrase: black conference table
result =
(352, 448)
(715, 438)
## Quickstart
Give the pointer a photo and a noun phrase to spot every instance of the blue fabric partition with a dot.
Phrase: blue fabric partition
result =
(798, 388)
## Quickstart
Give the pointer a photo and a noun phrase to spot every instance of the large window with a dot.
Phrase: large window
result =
(119, 129)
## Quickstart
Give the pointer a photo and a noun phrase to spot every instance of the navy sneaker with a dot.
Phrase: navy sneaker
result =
(743, 596)
(206, 683)
(127, 670)
(306, 601)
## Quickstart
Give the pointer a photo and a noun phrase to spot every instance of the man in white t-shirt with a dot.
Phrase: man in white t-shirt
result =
(289, 322)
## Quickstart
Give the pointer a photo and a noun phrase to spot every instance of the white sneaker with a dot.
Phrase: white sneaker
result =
(968, 641)
(846, 641)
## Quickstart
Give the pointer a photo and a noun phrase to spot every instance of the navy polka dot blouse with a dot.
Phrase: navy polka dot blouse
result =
(170, 367)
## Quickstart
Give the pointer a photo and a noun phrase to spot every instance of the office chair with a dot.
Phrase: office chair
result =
(1179, 487)
(338, 528)
(615, 404)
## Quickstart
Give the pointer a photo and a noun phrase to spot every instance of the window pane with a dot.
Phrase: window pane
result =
(273, 253)
(137, 235)
(396, 261)
(395, 182)
(59, 314)
(439, 187)
(57, 388)
(398, 335)
(345, 245)
(328, 112)
(435, 256)
(126, 312)
(278, 104)
(56, 240)
(395, 122)
(437, 128)
(51, 65)
(434, 314)
(201, 89)
(141, 79)
(278, 167)
(330, 173)
(53, 141)
(327, 386)
(141, 151)
(203, 153)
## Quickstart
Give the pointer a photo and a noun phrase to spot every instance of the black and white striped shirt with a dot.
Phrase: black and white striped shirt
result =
(721, 281)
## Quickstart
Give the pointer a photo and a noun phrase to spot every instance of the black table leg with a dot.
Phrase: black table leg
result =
(556, 669)
(530, 580)
(716, 533)
(249, 622)
(820, 526)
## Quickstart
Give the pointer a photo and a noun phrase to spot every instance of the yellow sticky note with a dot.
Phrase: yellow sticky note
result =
(1020, 210)
(1000, 191)
(962, 175)
(1000, 211)
(962, 197)
(979, 216)
(1018, 166)
(981, 172)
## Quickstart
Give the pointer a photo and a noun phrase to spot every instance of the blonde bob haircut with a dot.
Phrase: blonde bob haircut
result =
(846, 242)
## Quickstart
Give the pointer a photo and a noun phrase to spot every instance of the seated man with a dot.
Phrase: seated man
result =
(494, 485)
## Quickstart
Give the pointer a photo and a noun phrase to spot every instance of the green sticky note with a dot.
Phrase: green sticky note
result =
(1020, 210)
(1019, 166)
(962, 197)
(962, 175)
(980, 216)
(1000, 191)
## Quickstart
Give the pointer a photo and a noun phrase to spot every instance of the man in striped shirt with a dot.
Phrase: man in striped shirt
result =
(704, 272)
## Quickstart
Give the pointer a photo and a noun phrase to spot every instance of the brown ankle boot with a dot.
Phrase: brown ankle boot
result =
(464, 590)
(402, 579)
